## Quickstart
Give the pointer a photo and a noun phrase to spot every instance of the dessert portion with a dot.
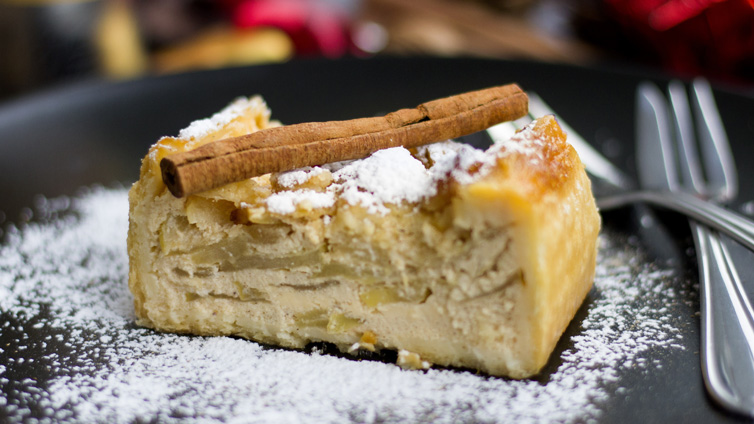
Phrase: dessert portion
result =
(447, 254)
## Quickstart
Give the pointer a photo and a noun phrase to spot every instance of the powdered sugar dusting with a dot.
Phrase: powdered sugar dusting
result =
(203, 127)
(287, 202)
(299, 176)
(455, 159)
(525, 142)
(389, 176)
(71, 352)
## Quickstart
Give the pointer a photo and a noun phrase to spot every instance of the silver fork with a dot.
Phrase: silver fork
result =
(668, 160)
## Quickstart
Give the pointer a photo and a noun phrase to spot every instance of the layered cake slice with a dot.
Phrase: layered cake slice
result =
(447, 254)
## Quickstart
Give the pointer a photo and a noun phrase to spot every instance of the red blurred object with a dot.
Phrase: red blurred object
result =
(315, 27)
(710, 37)
(673, 13)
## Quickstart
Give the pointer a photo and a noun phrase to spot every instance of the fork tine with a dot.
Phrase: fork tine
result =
(715, 148)
(689, 165)
(656, 160)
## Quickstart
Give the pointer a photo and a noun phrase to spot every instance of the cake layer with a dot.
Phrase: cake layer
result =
(451, 255)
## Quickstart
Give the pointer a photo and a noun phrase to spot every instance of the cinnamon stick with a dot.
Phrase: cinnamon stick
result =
(315, 143)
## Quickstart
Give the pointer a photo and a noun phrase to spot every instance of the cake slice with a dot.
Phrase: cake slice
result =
(449, 255)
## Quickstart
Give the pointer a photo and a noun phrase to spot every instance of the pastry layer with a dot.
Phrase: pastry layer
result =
(451, 255)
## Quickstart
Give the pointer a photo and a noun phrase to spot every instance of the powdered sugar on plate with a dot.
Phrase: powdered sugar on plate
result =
(71, 352)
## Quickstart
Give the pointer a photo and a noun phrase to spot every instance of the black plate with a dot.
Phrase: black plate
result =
(97, 132)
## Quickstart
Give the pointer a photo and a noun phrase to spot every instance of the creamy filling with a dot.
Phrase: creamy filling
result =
(417, 281)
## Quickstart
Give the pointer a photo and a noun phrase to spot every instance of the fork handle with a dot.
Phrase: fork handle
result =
(724, 220)
(727, 325)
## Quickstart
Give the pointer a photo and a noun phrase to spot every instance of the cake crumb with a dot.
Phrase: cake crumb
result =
(411, 361)
(366, 342)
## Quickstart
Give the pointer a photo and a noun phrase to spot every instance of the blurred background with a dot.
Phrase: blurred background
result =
(47, 42)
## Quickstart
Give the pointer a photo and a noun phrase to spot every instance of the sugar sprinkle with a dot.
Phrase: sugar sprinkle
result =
(380, 179)
(202, 127)
(71, 352)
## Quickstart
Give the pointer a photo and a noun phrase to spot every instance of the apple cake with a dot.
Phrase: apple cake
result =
(447, 254)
